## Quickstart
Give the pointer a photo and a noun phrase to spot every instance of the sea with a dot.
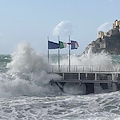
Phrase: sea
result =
(25, 92)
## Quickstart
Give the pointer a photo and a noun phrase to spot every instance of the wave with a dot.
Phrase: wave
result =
(27, 72)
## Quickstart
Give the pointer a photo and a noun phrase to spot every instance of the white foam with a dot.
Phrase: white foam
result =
(26, 60)
(27, 74)
(99, 61)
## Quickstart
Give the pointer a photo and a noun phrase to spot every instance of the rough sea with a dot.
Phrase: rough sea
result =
(25, 92)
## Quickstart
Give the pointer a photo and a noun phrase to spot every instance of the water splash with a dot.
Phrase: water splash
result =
(26, 60)
(89, 60)
(27, 74)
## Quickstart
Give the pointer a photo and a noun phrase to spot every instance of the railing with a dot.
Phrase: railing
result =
(84, 68)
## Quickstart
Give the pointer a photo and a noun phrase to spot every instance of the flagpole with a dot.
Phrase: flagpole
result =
(58, 55)
(69, 53)
(48, 51)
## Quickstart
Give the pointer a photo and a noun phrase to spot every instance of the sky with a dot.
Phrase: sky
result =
(34, 21)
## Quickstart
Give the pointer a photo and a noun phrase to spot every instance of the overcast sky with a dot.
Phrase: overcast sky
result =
(33, 20)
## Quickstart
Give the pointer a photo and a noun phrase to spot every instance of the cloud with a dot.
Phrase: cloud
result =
(105, 27)
(63, 28)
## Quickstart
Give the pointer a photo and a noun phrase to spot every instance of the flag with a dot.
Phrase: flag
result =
(74, 45)
(69, 43)
(52, 45)
(62, 44)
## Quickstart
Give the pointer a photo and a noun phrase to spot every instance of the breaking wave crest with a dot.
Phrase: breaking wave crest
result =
(27, 74)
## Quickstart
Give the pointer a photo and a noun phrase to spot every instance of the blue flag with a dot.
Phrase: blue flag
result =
(74, 45)
(52, 45)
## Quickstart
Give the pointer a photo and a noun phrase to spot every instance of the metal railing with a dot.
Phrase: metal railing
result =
(84, 68)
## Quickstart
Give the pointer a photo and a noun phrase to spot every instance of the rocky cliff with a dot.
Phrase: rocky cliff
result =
(109, 44)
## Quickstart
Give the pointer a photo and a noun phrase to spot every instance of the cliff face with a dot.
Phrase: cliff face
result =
(110, 44)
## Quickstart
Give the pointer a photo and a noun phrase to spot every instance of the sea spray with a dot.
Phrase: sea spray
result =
(90, 61)
(105, 106)
(26, 60)
(96, 60)
(87, 62)
(27, 74)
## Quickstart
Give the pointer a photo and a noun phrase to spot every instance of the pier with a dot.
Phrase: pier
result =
(107, 79)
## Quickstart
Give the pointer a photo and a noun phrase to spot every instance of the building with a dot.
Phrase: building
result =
(113, 31)
(100, 34)
(116, 24)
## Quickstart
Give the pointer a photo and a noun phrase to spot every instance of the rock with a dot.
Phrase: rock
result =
(108, 44)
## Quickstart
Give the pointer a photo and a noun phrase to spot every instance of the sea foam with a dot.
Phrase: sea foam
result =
(28, 72)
